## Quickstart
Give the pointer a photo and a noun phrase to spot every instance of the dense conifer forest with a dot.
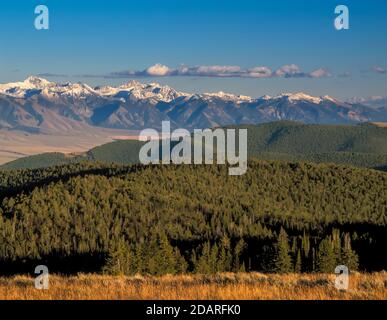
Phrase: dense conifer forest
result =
(127, 219)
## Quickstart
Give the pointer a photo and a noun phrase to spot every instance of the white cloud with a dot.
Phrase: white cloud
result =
(379, 69)
(158, 70)
(218, 70)
(209, 71)
(259, 72)
(294, 71)
(320, 73)
(288, 70)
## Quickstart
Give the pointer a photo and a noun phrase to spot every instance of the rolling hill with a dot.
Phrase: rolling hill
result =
(363, 145)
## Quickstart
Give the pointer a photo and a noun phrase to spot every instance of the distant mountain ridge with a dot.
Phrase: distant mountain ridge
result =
(38, 105)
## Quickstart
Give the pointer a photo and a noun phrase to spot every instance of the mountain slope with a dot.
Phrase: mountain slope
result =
(37, 105)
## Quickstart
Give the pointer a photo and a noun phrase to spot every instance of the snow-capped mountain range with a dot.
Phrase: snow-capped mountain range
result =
(36, 105)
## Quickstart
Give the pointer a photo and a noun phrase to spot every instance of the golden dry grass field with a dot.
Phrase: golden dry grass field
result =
(18, 144)
(243, 286)
(380, 124)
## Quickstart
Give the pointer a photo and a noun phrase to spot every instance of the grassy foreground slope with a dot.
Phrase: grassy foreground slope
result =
(359, 145)
(227, 286)
(81, 217)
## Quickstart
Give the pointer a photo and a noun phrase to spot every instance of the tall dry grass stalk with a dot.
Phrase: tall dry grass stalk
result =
(244, 286)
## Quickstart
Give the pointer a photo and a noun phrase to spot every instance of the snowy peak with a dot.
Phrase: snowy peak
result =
(36, 82)
(153, 91)
(23, 88)
(301, 96)
(159, 92)
(35, 85)
(134, 91)
(131, 84)
(106, 90)
(329, 98)
(265, 97)
(75, 89)
(228, 97)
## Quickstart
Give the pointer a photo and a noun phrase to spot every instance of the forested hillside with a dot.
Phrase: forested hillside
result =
(295, 137)
(358, 145)
(172, 219)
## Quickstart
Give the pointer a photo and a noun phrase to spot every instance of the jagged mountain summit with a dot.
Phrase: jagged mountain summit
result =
(38, 105)
(34, 85)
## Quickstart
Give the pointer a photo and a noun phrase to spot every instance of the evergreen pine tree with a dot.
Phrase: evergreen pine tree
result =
(305, 244)
(314, 259)
(151, 256)
(181, 264)
(349, 257)
(138, 259)
(298, 263)
(213, 259)
(119, 261)
(326, 261)
(238, 251)
(336, 243)
(201, 264)
(225, 257)
(307, 255)
(282, 259)
(165, 257)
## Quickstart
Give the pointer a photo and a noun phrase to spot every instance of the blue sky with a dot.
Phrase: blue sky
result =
(110, 42)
